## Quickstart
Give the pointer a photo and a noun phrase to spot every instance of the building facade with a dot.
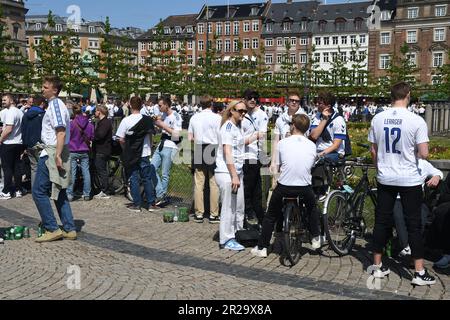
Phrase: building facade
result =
(231, 30)
(424, 25)
(14, 12)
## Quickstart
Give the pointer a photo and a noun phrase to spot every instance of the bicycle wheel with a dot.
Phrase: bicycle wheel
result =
(337, 223)
(292, 235)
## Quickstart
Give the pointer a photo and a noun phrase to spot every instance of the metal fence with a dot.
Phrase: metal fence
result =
(438, 118)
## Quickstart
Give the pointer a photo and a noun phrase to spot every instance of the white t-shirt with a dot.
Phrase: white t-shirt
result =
(110, 108)
(282, 126)
(124, 129)
(337, 130)
(397, 132)
(57, 116)
(233, 136)
(205, 127)
(297, 155)
(426, 170)
(256, 122)
(13, 117)
(174, 122)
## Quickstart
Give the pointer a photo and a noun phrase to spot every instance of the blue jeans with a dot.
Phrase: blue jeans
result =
(41, 195)
(84, 162)
(164, 160)
(143, 172)
(334, 156)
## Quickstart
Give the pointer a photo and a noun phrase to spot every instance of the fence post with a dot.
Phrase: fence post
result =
(429, 118)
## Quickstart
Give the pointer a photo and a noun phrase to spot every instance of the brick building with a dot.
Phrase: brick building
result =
(14, 12)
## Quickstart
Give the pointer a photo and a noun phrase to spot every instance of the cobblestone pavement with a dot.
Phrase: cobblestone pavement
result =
(124, 255)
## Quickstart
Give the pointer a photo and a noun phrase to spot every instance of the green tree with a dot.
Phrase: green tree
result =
(444, 78)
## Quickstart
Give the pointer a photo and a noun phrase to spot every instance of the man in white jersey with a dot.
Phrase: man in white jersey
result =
(255, 129)
(296, 157)
(283, 126)
(166, 151)
(399, 138)
(134, 133)
(328, 128)
(204, 130)
(12, 147)
(53, 170)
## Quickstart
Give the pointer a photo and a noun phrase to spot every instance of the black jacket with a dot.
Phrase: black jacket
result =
(134, 143)
(103, 137)
(32, 126)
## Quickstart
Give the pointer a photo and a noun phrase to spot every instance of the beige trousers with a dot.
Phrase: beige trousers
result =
(199, 179)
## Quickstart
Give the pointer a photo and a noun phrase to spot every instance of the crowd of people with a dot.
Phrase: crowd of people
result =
(229, 151)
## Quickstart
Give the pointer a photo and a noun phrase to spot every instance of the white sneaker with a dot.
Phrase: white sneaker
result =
(19, 194)
(102, 195)
(318, 242)
(405, 252)
(259, 253)
(5, 196)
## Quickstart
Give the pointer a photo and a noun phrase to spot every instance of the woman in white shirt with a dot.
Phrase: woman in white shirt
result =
(229, 175)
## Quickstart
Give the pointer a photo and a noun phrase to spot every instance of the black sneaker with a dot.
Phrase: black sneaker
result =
(198, 219)
(214, 220)
(134, 208)
(425, 280)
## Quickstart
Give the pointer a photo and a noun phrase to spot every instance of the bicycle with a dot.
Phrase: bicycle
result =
(343, 217)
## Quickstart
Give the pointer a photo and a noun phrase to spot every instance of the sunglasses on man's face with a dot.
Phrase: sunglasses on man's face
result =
(241, 111)
(256, 98)
(294, 101)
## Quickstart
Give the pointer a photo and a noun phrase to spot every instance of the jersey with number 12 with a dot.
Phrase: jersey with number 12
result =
(397, 132)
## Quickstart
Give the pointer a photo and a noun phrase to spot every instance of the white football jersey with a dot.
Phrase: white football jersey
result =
(397, 132)
(233, 136)
(256, 122)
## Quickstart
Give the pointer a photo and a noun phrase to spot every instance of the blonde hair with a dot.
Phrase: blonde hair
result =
(227, 113)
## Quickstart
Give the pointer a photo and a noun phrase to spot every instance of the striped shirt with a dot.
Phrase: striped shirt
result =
(57, 116)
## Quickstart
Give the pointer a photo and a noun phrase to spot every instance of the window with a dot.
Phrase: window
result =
(344, 56)
(254, 11)
(413, 13)
(352, 39)
(255, 43)
(304, 41)
(91, 29)
(37, 41)
(358, 23)
(439, 34)
(173, 45)
(303, 58)
(94, 44)
(236, 45)
(362, 39)
(201, 28)
(340, 25)
(362, 55)
(142, 60)
(287, 26)
(59, 28)
(326, 41)
(210, 28)
(317, 40)
(219, 28)
(246, 26)
(317, 57)
(28, 41)
(236, 28)
(293, 42)
(269, 59)
(190, 45)
(385, 38)
(344, 39)
(385, 60)
(386, 15)
(255, 25)
(286, 42)
(219, 45)
(352, 56)
(335, 41)
(166, 30)
(189, 29)
(269, 27)
(279, 42)
(177, 30)
(412, 58)
(440, 11)
(279, 58)
(293, 58)
(16, 28)
(38, 26)
(438, 59)
(227, 45)
(246, 43)
(326, 57)
(201, 45)
(227, 28)
(303, 25)
(411, 36)
(269, 42)
(190, 60)
(322, 25)
(76, 28)
(334, 56)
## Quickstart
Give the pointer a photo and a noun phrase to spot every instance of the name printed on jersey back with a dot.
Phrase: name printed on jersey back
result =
(395, 122)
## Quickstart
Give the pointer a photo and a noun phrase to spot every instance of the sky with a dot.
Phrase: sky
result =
(143, 14)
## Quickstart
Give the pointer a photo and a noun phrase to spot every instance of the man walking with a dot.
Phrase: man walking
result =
(53, 170)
